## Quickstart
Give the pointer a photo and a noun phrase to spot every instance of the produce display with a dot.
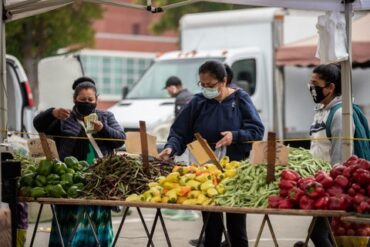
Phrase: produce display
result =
(117, 176)
(345, 187)
(51, 178)
(249, 188)
(341, 228)
(189, 185)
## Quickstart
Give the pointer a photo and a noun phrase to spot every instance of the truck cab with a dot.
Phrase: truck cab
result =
(150, 102)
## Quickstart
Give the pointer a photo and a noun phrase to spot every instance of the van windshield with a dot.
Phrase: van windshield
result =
(151, 85)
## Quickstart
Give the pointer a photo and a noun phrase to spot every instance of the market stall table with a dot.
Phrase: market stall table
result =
(357, 219)
(265, 211)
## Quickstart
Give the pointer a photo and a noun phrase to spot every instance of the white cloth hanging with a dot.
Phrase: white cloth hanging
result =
(332, 46)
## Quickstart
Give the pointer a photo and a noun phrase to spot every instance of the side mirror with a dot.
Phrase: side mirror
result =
(124, 92)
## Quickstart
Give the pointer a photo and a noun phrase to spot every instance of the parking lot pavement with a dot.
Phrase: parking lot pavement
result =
(288, 230)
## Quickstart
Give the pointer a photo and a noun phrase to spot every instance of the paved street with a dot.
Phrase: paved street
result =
(288, 230)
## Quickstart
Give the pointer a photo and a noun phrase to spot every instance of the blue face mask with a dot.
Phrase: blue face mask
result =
(210, 93)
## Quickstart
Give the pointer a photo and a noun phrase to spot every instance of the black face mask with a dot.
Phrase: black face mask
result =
(317, 93)
(85, 108)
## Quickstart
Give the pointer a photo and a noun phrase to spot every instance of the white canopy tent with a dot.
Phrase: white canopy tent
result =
(16, 9)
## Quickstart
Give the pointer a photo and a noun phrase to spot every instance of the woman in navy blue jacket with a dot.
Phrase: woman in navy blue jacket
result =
(225, 117)
(66, 123)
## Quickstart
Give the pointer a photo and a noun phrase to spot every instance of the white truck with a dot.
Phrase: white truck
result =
(113, 71)
(244, 39)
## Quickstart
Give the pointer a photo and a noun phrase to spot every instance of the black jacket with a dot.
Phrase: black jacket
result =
(45, 122)
(181, 100)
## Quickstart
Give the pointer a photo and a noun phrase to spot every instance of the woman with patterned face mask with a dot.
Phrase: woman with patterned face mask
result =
(227, 119)
(69, 123)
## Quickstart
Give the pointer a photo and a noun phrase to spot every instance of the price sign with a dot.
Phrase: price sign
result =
(42, 148)
(259, 154)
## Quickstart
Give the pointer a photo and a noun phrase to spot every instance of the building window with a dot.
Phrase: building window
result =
(111, 73)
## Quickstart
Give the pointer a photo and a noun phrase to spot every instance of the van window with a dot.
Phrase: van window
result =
(151, 85)
(245, 75)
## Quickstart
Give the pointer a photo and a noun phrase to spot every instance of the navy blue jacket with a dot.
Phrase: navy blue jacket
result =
(210, 117)
(45, 122)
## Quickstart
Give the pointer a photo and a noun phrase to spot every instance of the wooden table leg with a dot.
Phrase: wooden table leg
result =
(260, 231)
(310, 229)
(150, 239)
(144, 224)
(36, 224)
(93, 227)
(330, 231)
(271, 230)
(57, 223)
(205, 223)
(227, 238)
(120, 226)
(75, 229)
(164, 228)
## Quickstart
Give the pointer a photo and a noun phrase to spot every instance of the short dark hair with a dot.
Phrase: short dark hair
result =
(330, 73)
(173, 81)
(214, 68)
(81, 83)
(229, 74)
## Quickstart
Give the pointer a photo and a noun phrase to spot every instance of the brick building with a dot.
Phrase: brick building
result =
(127, 29)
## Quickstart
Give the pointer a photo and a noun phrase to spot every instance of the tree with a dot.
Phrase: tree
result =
(169, 20)
(34, 38)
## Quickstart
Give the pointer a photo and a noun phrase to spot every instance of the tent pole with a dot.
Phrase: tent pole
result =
(3, 98)
(347, 144)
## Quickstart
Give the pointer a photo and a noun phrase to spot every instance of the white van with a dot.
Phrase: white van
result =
(21, 107)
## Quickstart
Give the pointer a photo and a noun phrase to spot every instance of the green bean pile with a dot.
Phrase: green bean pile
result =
(249, 188)
(117, 176)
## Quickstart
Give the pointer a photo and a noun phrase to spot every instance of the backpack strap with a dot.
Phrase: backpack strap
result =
(329, 120)
(237, 98)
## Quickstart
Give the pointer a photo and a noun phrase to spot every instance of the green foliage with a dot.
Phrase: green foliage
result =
(42, 35)
(169, 20)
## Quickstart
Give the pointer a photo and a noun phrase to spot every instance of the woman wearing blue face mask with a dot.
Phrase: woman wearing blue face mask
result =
(225, 117)
(69, 123)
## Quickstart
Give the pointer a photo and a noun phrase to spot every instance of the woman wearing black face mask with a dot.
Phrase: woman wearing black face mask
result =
(69, 123)
(325, 89)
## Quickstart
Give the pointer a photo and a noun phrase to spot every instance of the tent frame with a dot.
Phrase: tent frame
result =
(42, 6)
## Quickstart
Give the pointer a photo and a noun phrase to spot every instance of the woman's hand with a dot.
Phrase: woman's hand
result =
(61, 113)
(165, 154)
(226, 140)
(98, 125)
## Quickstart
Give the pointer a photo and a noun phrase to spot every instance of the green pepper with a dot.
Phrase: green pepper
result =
(45, 167)
(25, 191)
(68, 177)
(84, 164)
(73, 191)
(38, 192)
(59, 168)
(40, 180)
(78, 177)
(27, 180)
(80, 185)
(31, 168)
(56, 191)
(65, 185)
(70, 170)
(53, 179)
(71, 162)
